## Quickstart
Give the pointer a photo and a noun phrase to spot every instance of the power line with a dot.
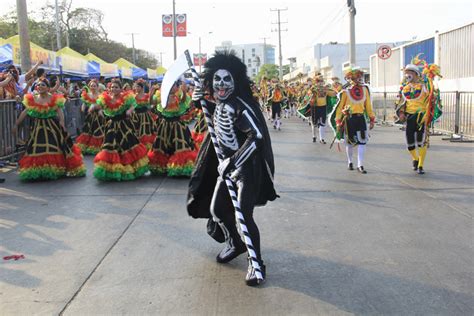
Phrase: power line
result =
(328, 22)
(335, 20)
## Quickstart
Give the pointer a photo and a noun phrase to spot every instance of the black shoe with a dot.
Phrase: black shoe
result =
(361, 170)
(420, 170)
(251, 278)
(351, 166)
(415, 165)
(274, 127)
(229, 253)
(2, 180)
(322, 141)
(314, 139)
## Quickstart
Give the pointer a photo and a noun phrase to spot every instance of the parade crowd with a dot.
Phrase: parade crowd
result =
(215, 134)
(131, 133)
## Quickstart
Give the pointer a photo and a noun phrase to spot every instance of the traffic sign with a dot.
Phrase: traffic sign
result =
(384, 52)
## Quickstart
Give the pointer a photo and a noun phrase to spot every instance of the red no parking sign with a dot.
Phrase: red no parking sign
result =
(384, 52)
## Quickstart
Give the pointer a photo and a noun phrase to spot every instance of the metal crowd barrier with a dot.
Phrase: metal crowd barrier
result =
(9, 144)
(384, 109)
(73, 117)
(12, 146)
(457, 118)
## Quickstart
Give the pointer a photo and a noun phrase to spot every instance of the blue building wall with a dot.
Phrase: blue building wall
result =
(270, 55)
(425, 47)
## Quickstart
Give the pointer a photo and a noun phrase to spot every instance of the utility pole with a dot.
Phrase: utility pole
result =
(58, 29)
(280, 57)
(174, 31)
(200, 57)
(352, 48)
(22, 15)
(264, 49)
(134, 57)
(161, 58)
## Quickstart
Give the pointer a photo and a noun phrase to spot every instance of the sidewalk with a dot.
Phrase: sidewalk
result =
(336, 242)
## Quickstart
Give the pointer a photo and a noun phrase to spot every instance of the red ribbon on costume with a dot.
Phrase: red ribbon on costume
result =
(14, 257)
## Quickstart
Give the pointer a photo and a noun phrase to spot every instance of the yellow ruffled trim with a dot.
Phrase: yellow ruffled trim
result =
(118, 167)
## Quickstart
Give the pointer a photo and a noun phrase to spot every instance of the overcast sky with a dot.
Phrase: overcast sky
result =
(244, 21)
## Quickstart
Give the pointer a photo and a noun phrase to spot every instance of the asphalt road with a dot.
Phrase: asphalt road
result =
(336, 242)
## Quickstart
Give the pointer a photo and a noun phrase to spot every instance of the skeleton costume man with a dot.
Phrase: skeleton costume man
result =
(243, 138)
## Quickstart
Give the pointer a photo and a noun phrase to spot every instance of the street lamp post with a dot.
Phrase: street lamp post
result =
(174, 32)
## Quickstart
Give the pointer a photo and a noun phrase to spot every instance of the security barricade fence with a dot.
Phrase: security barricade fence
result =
(384, 110)
(457, 118)
(457, 107)
(11, 146)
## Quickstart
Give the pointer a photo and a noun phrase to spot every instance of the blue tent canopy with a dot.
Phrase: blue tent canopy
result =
(138, 73)
(6, 55)
(93, 69)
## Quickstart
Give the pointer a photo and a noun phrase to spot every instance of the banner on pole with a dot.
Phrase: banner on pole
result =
(181, 25)
(199, 57)
(167, 20)
(167, 24)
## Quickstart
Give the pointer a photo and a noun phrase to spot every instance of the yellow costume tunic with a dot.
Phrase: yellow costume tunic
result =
(354, 104)
(416, 97)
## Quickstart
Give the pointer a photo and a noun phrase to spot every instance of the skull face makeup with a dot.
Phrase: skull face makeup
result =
(223, 84)
(410, 76)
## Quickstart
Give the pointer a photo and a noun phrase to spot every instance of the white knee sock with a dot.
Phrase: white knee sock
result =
(349, 152)
(313, 130)
(360, 155)
(321, 132)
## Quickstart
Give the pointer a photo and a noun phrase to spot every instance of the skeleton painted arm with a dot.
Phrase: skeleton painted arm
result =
(246, 124)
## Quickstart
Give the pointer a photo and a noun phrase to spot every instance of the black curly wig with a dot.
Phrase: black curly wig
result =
(229, 61)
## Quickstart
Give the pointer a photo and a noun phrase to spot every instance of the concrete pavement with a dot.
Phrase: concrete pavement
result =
(336, 242)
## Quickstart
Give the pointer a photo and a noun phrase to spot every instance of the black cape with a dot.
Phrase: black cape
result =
(204, 177)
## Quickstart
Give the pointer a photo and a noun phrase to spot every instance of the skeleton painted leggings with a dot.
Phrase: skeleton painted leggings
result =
(223, 211)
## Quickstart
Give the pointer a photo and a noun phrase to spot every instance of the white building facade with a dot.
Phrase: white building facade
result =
(452, 50)
(253, 55)
(330, 59)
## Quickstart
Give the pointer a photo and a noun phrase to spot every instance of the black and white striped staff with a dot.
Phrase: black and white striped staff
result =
(230, 184)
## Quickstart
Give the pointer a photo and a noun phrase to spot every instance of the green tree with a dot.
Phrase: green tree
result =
(82, 28)
(268, 71)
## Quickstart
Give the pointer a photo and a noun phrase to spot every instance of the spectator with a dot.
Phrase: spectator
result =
(102, 84)
(16, 86)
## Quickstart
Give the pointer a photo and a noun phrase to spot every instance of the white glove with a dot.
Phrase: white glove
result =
(198, 94)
